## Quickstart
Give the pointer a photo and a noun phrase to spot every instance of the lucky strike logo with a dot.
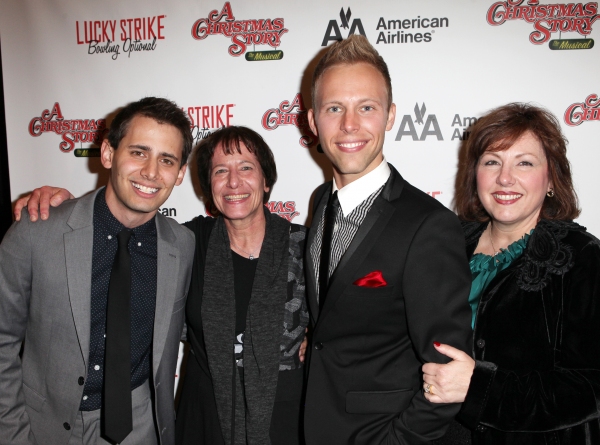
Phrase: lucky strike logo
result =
(548, 19)
(72, 131)
(243, 33)
(205, 118)
(135, 34)
(285, 209)
(578, 113)
(290, 113)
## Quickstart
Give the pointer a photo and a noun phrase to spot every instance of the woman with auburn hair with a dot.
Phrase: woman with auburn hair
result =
(535, 293)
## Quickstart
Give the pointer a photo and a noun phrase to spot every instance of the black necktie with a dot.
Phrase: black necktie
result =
(117, 362)
(330, 215)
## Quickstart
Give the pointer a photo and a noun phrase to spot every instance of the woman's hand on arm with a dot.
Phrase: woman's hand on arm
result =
(41, 199)
(448, 383)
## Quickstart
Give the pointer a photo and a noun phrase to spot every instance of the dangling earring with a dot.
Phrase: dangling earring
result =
(550, 193)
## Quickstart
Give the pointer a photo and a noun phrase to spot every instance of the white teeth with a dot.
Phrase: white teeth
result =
(144, 189)
(236, 197)
(506, 197)
(351, 144)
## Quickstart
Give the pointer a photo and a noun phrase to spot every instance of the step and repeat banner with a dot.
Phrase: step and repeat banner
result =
(69, 65)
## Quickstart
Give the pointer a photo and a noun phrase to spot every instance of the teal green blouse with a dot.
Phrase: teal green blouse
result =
(485, 267)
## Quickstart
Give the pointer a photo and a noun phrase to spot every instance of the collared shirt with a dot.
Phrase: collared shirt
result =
(356, 199)
(143, 250)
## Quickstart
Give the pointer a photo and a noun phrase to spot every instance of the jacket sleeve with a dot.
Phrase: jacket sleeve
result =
(15, 292)
(567, 393)
(436, 288)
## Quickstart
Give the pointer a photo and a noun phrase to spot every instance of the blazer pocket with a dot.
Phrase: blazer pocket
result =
(378, 402)
(370, 292)
(33, 399)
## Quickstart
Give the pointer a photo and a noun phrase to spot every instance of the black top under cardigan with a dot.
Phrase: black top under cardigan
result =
(201, 398)
(537, 343)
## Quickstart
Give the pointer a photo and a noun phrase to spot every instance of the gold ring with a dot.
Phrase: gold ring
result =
(427, 388)
(431, 390)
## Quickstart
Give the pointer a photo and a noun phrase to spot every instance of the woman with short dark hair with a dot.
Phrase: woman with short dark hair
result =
(535, 293)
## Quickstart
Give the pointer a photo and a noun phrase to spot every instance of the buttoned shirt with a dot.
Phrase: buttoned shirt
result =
(143, 251)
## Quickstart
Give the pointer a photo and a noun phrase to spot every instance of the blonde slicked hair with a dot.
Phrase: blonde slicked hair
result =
(352, 50)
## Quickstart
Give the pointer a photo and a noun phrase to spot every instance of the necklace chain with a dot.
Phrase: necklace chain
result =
(496, 252)
(250, 254)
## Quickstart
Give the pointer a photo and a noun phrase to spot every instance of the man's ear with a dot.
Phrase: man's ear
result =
(311, 122)
(106, 154)
(391, 117)
(181, 174)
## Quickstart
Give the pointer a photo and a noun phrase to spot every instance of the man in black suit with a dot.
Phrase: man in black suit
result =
(387, 273)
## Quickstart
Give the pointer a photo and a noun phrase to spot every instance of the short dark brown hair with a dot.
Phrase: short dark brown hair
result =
(497, 131)
(162, 111)
(354, 49)
(229, 138)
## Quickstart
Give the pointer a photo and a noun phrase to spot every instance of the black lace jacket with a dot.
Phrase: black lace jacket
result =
(537, 343)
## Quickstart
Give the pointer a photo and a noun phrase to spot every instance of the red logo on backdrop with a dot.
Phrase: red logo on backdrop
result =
(548, 19)
(72, 131)
(290, 113)
(243, 33)
(135, 34)
(578, 113)
(285, 209)
(209, 117)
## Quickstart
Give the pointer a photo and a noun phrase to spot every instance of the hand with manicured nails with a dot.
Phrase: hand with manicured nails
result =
(449, 382)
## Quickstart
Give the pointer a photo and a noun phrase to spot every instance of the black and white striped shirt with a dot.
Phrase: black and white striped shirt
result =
(345, 226)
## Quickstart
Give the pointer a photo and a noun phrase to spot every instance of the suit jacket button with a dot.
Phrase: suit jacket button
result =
(481, 343)
(81, 381)
(67, 426)
(318, 346)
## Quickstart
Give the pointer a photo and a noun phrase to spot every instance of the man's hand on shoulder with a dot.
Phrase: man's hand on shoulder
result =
(39, 201)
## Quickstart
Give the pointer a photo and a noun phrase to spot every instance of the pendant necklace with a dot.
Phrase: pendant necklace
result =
(250, 254)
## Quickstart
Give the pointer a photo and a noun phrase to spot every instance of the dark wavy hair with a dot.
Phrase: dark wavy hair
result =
(497, 131)
(162, 111)
(229, 138)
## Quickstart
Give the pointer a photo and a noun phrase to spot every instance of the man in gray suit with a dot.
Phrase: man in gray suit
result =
(55, 277)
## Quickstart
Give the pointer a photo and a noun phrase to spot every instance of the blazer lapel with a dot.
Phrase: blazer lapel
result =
(78, 257)
(166, 286)
(364, 240)
(311, 268)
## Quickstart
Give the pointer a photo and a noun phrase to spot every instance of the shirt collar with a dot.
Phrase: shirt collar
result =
(113, 226)
(357, 191)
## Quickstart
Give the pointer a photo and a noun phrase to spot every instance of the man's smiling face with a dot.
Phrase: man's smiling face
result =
(351, 116)
(143, 170)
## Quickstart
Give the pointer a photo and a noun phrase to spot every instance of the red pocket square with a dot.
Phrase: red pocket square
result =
(373, 279)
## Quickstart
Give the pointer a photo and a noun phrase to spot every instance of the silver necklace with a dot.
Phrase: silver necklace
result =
(496, 252)
(250, 254)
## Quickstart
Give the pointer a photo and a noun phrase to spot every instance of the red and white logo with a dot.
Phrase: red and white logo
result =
(579, 112)
(243, 33)
(205, 118)
(285, 209)
(72, 130)
(135, 34)
(547, 19)
(290, 113)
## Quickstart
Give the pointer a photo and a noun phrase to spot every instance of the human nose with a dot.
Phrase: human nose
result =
(505, 176)
(233, 179)
(350, 121)
(150, 170)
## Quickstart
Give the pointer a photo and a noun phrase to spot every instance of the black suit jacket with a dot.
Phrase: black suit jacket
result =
(368, 344)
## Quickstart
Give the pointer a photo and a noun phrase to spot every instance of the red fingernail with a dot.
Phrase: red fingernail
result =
(436, 343)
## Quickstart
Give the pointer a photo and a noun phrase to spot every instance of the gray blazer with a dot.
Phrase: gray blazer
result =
(45, 295)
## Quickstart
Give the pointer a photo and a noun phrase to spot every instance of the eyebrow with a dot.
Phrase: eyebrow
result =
(149, 149)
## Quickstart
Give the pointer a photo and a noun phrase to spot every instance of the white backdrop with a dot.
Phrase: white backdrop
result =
(70, 64)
